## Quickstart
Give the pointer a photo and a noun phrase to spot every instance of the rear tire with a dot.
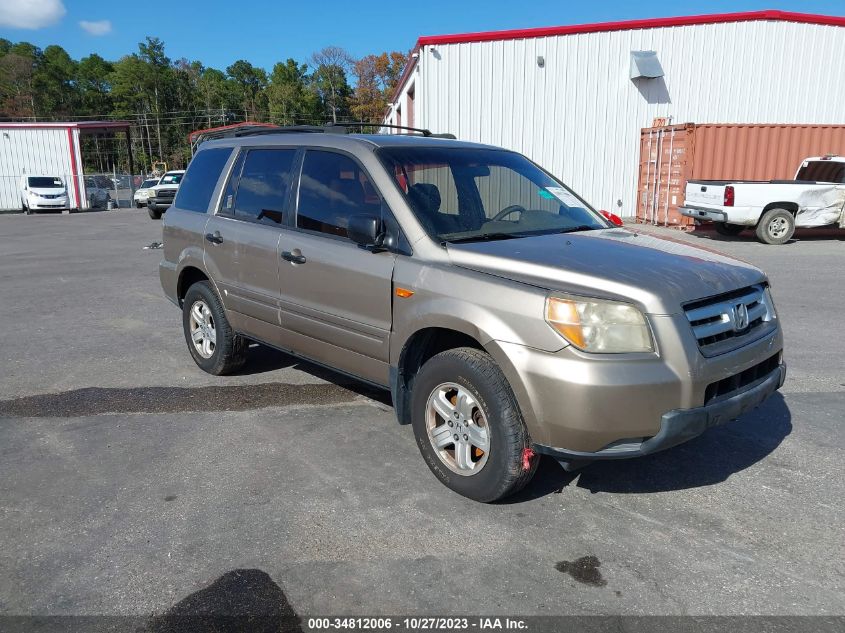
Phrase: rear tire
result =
(775, 227)
(470, 382)
(729, 230)
(155, 215)
(204, 320)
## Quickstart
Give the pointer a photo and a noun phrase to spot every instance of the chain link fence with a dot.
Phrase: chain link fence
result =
(87, 192)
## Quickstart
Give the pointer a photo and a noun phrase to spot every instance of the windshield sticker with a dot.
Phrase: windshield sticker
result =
(565, 197)
(545, 194)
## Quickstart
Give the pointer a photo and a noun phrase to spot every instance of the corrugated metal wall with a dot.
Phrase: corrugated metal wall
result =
(38, 151)
(580, 115)
(671, 155)
(761, 152)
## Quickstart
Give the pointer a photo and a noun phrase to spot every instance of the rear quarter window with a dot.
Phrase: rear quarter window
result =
(201, 178)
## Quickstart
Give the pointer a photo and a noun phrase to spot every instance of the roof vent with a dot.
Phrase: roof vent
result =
(645, 65)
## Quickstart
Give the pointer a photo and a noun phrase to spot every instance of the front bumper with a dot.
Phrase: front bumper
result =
(55, 203)
(159, 204)
(682, 425)
(582, 404)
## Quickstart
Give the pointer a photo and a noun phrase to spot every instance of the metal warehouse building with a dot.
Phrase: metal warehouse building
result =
(48, 149)
(575, 98)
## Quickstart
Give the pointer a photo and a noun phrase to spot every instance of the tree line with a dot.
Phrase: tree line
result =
(166, 99)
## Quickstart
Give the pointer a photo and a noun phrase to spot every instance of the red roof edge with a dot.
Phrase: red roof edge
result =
(601, 27)
(231, 126)
(66, 124)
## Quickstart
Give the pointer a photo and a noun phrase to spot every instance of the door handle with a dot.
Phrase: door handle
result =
(214, 238)
(290, 257)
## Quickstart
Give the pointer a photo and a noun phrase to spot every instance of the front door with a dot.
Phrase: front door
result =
(336, 296)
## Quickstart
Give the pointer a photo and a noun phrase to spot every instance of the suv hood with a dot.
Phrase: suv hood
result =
(659, 274)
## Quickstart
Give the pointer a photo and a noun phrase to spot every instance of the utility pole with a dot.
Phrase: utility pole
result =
(158, 125)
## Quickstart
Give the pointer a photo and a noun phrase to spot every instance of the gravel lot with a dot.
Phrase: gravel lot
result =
(128, 484)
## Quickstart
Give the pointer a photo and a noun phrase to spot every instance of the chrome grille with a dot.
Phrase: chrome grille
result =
(728, 321)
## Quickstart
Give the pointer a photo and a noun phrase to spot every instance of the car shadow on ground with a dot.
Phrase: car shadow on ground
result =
(240, 600)
(263, 359)
(801, 235)
(708, 459)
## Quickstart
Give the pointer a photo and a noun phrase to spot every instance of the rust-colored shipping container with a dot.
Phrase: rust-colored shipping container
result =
(673, 154)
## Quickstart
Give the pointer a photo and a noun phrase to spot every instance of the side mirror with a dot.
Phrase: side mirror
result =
(365, 230)
(614, 219)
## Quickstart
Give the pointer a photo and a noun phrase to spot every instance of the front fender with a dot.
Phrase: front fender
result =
(480, 305)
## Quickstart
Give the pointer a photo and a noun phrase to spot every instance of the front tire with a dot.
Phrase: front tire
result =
(776, 227)
(468, 426)
(155, 215)
(214, 346)
(729, 230)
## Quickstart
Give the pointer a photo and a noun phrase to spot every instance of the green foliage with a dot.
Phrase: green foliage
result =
(166, 100)
(290, 101)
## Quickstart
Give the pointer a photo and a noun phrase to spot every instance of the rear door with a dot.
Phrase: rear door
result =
(242, 239)
(336, 296)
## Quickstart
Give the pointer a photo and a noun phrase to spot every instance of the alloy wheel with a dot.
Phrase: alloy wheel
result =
(203, 332)
(457, 429)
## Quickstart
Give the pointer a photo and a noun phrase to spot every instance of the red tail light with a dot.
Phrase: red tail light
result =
(614, 219)
(729, 196)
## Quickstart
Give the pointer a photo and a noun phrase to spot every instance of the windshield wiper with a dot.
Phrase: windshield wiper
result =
(580, 227)
(483, 237)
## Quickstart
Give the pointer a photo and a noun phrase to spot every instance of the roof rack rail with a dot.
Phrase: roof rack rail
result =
(390, 126)
(251, 128)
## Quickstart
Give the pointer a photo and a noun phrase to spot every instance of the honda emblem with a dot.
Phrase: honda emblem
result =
(740, 317)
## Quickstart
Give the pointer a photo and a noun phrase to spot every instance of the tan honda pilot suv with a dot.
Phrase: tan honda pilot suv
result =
(507, 318)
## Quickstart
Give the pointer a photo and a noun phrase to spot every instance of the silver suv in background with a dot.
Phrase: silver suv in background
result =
(507, 318)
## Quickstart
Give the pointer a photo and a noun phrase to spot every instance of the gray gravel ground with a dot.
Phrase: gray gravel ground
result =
(134, 490)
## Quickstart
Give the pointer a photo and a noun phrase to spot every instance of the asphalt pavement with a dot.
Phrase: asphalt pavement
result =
(134, 484)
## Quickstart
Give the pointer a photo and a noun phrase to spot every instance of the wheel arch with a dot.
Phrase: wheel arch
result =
(416, 350)
(792, 207)
(188, 276)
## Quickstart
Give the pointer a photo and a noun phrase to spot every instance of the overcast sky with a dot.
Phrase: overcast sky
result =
(263, 32)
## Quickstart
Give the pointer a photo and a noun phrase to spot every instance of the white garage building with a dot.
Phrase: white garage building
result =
(575, 98)
(49, 149)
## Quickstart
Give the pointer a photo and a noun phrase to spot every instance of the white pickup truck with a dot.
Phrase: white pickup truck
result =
(776, 207)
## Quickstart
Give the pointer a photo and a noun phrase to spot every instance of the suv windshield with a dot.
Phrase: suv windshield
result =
(462, 195)
(45, 182)
(822, 171)
(171, 179)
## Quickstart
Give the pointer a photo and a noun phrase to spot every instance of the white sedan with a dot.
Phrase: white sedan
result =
(142, 194)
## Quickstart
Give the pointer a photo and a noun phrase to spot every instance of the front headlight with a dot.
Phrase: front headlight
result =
(599, 326)
(770, 303)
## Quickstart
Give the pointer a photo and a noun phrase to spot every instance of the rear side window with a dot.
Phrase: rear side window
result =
(199, 182)
(822, 171)
(263, 188)
(333, 188)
